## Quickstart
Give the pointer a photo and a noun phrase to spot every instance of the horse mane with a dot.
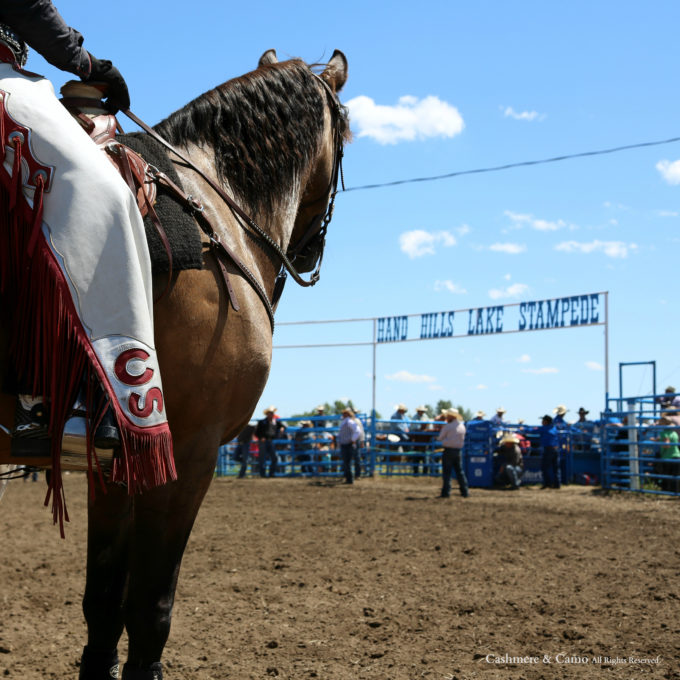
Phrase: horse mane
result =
(264, 127)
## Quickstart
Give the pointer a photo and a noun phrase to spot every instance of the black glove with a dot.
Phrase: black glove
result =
(117, 95)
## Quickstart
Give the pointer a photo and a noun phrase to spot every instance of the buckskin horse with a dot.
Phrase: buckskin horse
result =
(271, 139)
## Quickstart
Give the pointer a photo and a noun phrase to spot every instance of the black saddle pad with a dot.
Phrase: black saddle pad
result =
(179, 225)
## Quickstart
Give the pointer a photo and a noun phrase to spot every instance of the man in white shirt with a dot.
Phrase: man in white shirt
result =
(348, 437)
(452, 436)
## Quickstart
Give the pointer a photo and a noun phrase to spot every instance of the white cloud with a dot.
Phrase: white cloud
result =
(411, 118)
(463, 229)
(419, 242)
(512, 291)
(406, 376)
(521, 219)
(670, 171)
(529, 116)
(509, 248)
(668, 213)
(541, 371)
(594, 366)
(616, 249)
(450, 286)
(524, 359)
(481, 387)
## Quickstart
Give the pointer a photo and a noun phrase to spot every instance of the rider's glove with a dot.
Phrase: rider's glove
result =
(117, 95)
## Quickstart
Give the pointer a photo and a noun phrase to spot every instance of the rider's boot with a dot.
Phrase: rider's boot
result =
(107, 435)
(30, 435)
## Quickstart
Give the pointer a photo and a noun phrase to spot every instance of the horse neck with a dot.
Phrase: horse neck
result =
(278, 224)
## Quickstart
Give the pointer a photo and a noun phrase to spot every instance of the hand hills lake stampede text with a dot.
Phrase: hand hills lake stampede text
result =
(576, 310)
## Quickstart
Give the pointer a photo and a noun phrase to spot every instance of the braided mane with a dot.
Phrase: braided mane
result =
(265, 127)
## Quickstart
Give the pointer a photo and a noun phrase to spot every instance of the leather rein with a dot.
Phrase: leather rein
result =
(316, 229)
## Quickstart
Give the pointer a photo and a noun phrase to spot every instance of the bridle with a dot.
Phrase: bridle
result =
(311, 243)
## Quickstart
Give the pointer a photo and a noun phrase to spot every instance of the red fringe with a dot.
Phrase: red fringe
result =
(51, 350)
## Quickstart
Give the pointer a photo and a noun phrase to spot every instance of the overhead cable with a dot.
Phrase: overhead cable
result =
(521, 164)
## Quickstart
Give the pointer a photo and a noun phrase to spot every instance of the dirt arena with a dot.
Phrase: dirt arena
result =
(308, 579)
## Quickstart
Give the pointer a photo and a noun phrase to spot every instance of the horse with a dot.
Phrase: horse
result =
(272, 139)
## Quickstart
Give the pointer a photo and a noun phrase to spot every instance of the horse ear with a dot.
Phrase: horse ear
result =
(269, 57)
(335, 73)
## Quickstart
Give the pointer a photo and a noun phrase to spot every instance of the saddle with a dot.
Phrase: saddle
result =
(84, 103)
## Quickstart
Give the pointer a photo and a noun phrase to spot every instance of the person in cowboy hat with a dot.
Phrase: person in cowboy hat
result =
(267, 430)
(511, 461)
(582, 432)
(558, 421)
(497, 418)
(669, 399)
(421, 441)
(452, 436)
(401, 429)
(348, 438)
(550, 461)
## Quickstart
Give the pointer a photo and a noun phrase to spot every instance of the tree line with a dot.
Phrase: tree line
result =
(338, 406)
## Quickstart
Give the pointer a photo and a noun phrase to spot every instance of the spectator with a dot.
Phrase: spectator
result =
(401, 429)
(421, 439)
(497, 419)
(302, 445)
(242, 450)
(348, 437)
(669, 455)
(268, 429)
(582, 432)
(452, 437)
(559, 422)
(669, 399)
(320, 413)
(511, 461)
(551, 453)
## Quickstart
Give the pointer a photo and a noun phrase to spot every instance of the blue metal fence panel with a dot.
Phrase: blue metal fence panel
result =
(591, 453)
(636, 455)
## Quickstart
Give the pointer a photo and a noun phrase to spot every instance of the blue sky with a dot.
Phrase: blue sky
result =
(440, 87)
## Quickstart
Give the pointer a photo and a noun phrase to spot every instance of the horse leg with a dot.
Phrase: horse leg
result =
(107, 554)
(163, 519)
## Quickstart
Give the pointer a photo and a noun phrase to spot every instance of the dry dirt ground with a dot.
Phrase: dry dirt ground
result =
(380, 580)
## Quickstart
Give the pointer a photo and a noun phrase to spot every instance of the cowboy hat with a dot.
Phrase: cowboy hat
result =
(670, 389)
(452, 412)
(421, 409)
(320, 407)
(500, 409)
(509, 438)
(582, 410)
(560, 410)
(347, 410)
(480, 414)
(401, 407)
(270, 409)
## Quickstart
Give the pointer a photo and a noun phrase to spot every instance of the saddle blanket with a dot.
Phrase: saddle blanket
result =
(179, 225)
